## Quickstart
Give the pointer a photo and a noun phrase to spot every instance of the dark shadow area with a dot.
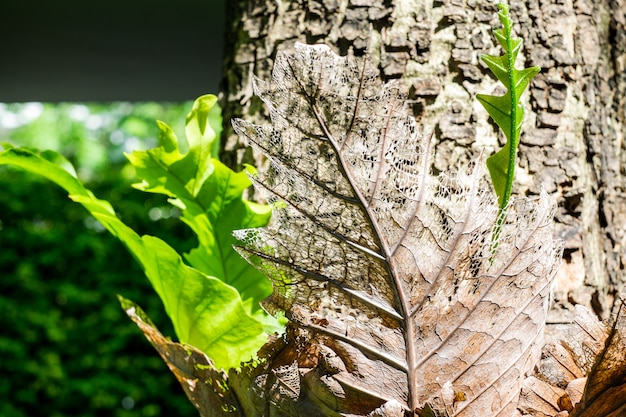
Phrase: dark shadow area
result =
(115, 50)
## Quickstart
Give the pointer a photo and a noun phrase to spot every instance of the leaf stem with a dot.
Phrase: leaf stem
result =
(514, 132)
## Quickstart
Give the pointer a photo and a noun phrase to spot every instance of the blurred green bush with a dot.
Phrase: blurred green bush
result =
(66, 346)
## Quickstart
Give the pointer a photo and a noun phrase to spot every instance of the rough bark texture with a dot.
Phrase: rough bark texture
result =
(573, 140)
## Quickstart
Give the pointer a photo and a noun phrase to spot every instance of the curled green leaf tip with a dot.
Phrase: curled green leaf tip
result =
(201, 108)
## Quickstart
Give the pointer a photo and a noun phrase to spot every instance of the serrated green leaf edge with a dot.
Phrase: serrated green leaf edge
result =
(206, 312)
(506, 111)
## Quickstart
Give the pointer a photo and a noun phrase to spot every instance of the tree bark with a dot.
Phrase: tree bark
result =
(572, 143)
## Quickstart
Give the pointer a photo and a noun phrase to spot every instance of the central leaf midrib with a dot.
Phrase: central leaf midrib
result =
(322, 225)
(402, 297)
(321, 278)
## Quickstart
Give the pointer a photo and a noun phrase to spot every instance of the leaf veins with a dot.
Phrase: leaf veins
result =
(384, 269)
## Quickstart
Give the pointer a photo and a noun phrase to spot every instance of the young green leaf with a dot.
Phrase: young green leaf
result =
(506, 111)
(209, 195)
(204, 123)
(206, 312)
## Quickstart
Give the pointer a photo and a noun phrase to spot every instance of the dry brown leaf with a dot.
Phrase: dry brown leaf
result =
(586, 370)
(605, 391)
(387, 272)
(204, 385)
(397, 304)
(541, 399)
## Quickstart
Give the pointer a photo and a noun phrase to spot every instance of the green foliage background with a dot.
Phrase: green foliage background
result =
(66, 346)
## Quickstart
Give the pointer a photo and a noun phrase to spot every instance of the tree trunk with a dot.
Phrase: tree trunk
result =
(572, 143)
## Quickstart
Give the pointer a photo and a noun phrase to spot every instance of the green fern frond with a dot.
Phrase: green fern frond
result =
(506, 110)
